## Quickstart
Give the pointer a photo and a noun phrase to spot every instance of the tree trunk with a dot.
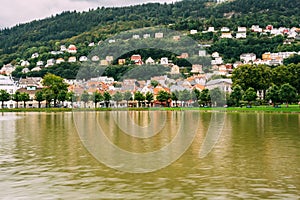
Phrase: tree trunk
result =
(24, 104)
(39, 104)
(17, 105)
(287, 104)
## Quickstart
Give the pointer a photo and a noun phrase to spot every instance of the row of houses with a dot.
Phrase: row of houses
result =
(31, 85)
(241, 32)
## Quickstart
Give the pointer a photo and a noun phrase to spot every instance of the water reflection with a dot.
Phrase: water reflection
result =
(257, 156)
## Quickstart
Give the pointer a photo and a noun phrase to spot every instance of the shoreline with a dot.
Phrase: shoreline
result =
(295, 109)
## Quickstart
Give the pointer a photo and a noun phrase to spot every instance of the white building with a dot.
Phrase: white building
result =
(164, 61)
(247, 57)
(7, 84)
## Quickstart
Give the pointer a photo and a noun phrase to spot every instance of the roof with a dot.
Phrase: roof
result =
(218, 81)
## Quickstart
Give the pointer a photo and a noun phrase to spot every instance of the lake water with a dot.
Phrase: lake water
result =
(193, 155)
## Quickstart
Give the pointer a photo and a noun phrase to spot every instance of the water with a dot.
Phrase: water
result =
(256, 156)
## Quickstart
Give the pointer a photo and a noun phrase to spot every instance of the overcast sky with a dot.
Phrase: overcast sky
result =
(14, 12)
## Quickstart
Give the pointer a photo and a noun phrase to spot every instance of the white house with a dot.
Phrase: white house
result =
(146, 35)
(159, 35)
(95, 58)
(247, 57)
(175, 69)
(83, 59)
(202, 53)
(225, 29)
(150, 61)
(164, 61)
(223, 84)
(7, 84)
(136, 37)
(40, 63)
(72, 59)
(7, 69)
(192, 32)
(196, 68)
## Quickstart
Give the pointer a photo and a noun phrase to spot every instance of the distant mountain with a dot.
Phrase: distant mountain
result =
(100, 23)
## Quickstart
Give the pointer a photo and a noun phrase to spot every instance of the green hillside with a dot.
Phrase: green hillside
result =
(81, 28)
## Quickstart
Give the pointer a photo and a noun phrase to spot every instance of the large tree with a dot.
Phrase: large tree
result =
(25, 97)
(17, 98)
(273, 94)
(127, 96)
(250, 95)
(117, 97)
(4, 96)
(237, 94)
(184, 96)
(256, 76)
(107, 97)
(138, 96)
(163, 96)
(39, 97)
(205, 97)
(149, 97)
(287, 93)
(85, 97)
(55, 85)
(96, 97)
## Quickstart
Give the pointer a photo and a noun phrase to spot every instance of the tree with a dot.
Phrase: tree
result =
(149, 97)
(205, 97)
(71, 97)
(107, 98)
(273, 94)
(138, 96)
(39, 97)
(127, 96)
(218, 97)
(174, 97)
(62, 96)
(117, 97)
(154, 83)
(250, 95)
(24, 97)
(163, 96)
(85, 97)
(237, 94)
(17, 98)
(48, 94)
(55, 85)
(184, 96)
(4, 96)
(96, 98)
(287, 93)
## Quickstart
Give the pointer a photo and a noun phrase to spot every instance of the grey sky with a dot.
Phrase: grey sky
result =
(13, 12)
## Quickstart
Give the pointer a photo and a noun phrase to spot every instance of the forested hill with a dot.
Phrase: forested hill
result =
(185, 15)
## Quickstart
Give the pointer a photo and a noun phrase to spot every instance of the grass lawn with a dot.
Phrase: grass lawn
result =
(282, 109)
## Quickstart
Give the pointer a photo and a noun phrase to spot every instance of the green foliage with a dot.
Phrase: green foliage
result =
(273, 94)
(96, 97)
(4, 96)
(149, 97)
(250, 95)
(163, 96)
(218, 97)
(237, 94)
(138, 96)
(85, 97)
(287, 93)
(39, 97)
(54, 86)
(17, 98)
(118, 96)
(24, 97)
(205, 97)
(107, 97)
